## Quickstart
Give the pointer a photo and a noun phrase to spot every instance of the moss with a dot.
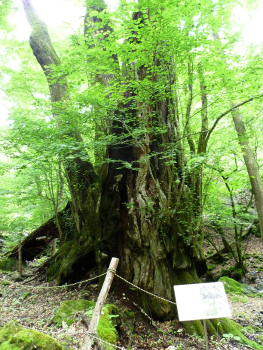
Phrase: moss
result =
(231, 327)
(211, 267)
(128, 320)
(68, 308)
(251, 329)
(220, 327)
(194, 327)
(8, 264)
(239, 299)
(65, 261)
(106, 329)
(232, 286)
(227, 272)
(15, 337)
(5, 283)
(60, 265)
(237, 274)
(260, 337)
(186, 277)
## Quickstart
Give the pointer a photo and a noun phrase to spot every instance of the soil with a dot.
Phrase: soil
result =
(33, 304)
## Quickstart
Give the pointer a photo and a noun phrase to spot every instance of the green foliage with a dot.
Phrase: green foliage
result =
(5, 6)
(155, 84)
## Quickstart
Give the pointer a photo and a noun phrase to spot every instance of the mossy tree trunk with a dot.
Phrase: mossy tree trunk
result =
(142, 206)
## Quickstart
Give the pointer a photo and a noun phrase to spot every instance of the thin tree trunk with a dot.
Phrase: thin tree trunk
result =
(251, 165)
(250, 161)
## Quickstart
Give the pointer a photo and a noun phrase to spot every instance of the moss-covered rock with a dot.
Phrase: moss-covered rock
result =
(69, 308)
(237, 274)
(106, 329)
(15, 337)
(232, 286)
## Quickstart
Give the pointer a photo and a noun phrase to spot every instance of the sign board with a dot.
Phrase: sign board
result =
(201, 301)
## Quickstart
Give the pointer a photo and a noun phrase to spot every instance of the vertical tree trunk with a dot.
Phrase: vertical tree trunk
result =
(251, 165)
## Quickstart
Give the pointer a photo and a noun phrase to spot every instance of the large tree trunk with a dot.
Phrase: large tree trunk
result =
(144, 212)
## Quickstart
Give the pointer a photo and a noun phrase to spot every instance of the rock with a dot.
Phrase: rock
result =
(15, 337)
(171, 347)
(253, 276)
(249, 289)
(67, 309)
(232, 286)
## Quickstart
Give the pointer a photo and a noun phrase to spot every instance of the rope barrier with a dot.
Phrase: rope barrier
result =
(145, 291)
(89, 280)
(53, 287)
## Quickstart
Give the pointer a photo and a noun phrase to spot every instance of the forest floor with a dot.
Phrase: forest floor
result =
(34, 304)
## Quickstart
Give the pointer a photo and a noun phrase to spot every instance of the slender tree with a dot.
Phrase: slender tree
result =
(248, 155)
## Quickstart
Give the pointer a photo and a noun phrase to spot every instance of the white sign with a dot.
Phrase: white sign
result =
(201, 301)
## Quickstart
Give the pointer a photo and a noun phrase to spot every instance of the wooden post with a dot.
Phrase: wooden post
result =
(206, 337)
(99, 304)
(20, 258)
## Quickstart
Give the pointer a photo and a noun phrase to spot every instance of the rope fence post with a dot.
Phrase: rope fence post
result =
(99, 304)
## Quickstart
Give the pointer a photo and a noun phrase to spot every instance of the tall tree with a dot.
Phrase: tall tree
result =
(138, 194)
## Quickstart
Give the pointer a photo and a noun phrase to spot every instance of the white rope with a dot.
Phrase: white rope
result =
(89, 280)
(145, 291)
(22, 286)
